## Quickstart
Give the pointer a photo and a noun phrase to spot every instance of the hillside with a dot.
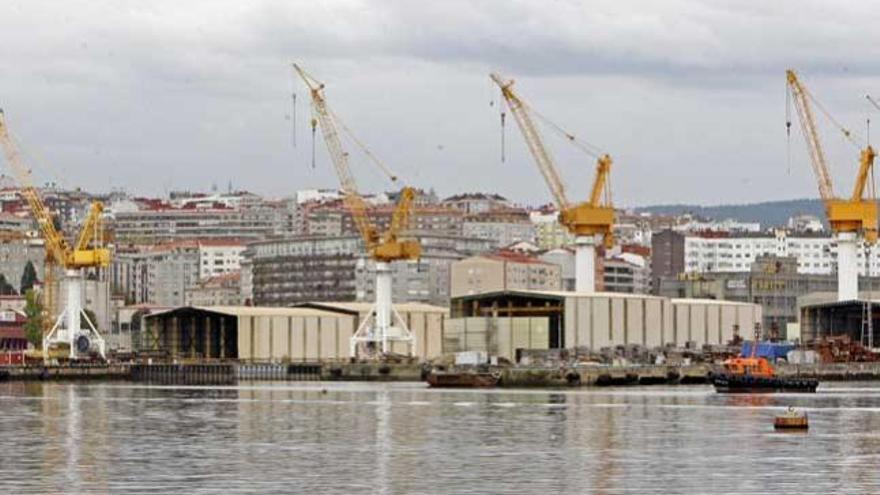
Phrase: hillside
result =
(770, 213)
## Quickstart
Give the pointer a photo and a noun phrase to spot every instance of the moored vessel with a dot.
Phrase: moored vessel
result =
(464, 379)
(755, 374)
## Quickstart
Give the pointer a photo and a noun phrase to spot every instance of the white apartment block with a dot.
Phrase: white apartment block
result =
(549, 233)
(814, 254)
(219, 258)
(728, 225)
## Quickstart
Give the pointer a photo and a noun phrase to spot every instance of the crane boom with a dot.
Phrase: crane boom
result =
(588, 218)
(856, 214)
(382, 325)
(807, 121)
(382, 248)
(600, 185)
(353, 200)
(533, 141)
(56, 244)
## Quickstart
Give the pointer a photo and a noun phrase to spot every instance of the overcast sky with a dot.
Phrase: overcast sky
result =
(687, 96)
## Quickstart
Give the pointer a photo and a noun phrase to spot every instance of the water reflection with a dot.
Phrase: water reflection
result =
(402, 438)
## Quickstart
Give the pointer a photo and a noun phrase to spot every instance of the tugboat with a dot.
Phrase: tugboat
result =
(755, 374)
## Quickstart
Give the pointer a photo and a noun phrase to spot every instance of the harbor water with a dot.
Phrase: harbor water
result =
(314, 437)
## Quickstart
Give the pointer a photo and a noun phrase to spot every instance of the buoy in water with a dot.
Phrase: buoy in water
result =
(792, 420)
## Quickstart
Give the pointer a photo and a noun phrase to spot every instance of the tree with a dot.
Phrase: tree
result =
(33, 310)
(28, 278)
(5, 287)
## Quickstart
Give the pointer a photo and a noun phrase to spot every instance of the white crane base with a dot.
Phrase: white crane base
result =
(67, 325)
(585, 264)
(847, 267)
(383, 324)
(369, 332)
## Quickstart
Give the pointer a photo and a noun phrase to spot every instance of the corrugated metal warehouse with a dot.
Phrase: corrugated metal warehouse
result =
(822, 316)
(309, 332)
(501, 322)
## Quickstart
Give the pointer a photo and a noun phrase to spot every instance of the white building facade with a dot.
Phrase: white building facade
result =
(814, 254)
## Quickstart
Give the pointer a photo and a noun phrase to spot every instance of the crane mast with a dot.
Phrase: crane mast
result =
(383, 325)
(587, 220)
(850, 218)
(87, 253)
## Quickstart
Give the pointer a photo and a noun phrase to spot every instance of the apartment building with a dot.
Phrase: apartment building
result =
(303, 268)
(334, 219)
(157, 275)
(311, 268)
(217, 290)
(720, 252)
(473, 203)
(219, 257)
(549, 233)
(503, 271)
(424, 280)
(168, 224)
(501, 227)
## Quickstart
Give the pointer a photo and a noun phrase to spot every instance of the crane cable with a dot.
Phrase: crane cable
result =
(788, 128)
(584, 146)
(849, 135)
(361, 145)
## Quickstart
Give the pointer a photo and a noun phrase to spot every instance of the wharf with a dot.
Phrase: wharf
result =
(603, 376)
(832, 371)
(67, 372)
(230, 373)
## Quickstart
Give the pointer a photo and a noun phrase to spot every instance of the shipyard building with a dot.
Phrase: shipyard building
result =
(502, 322)
(308, 333)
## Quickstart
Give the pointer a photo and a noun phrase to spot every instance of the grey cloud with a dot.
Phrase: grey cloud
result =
(683, 93)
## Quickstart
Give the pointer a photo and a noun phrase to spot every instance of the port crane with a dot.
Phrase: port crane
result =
(87, 253)
(587, 220)
(850, 217)
(383, 324)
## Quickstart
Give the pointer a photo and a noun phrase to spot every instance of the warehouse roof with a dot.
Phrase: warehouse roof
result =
(558, 294)
(248, 311)
(561, 295)
(713, 302)
(363, 307)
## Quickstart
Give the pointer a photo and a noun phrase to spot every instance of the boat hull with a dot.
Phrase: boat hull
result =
(462, 380)
(730, 384)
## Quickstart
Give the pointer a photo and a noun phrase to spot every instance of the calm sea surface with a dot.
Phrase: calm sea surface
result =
(402, 438)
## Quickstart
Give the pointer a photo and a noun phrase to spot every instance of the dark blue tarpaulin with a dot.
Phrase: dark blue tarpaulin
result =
(769, 350)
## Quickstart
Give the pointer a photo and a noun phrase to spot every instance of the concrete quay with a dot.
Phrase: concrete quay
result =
(602, 376)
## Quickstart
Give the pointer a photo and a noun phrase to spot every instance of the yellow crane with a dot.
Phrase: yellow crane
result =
(383, 325)
(586, 220)
(850, 218)
(88, 252)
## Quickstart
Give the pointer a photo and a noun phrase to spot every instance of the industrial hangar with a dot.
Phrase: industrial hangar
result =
(501, 322)
(308, 332)
(496, 322)
(823, 316)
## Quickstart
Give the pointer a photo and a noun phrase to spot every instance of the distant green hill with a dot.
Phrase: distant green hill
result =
(769, 214)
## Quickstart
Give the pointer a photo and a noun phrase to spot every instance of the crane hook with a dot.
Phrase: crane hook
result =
(502, 136)
(314, 127)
